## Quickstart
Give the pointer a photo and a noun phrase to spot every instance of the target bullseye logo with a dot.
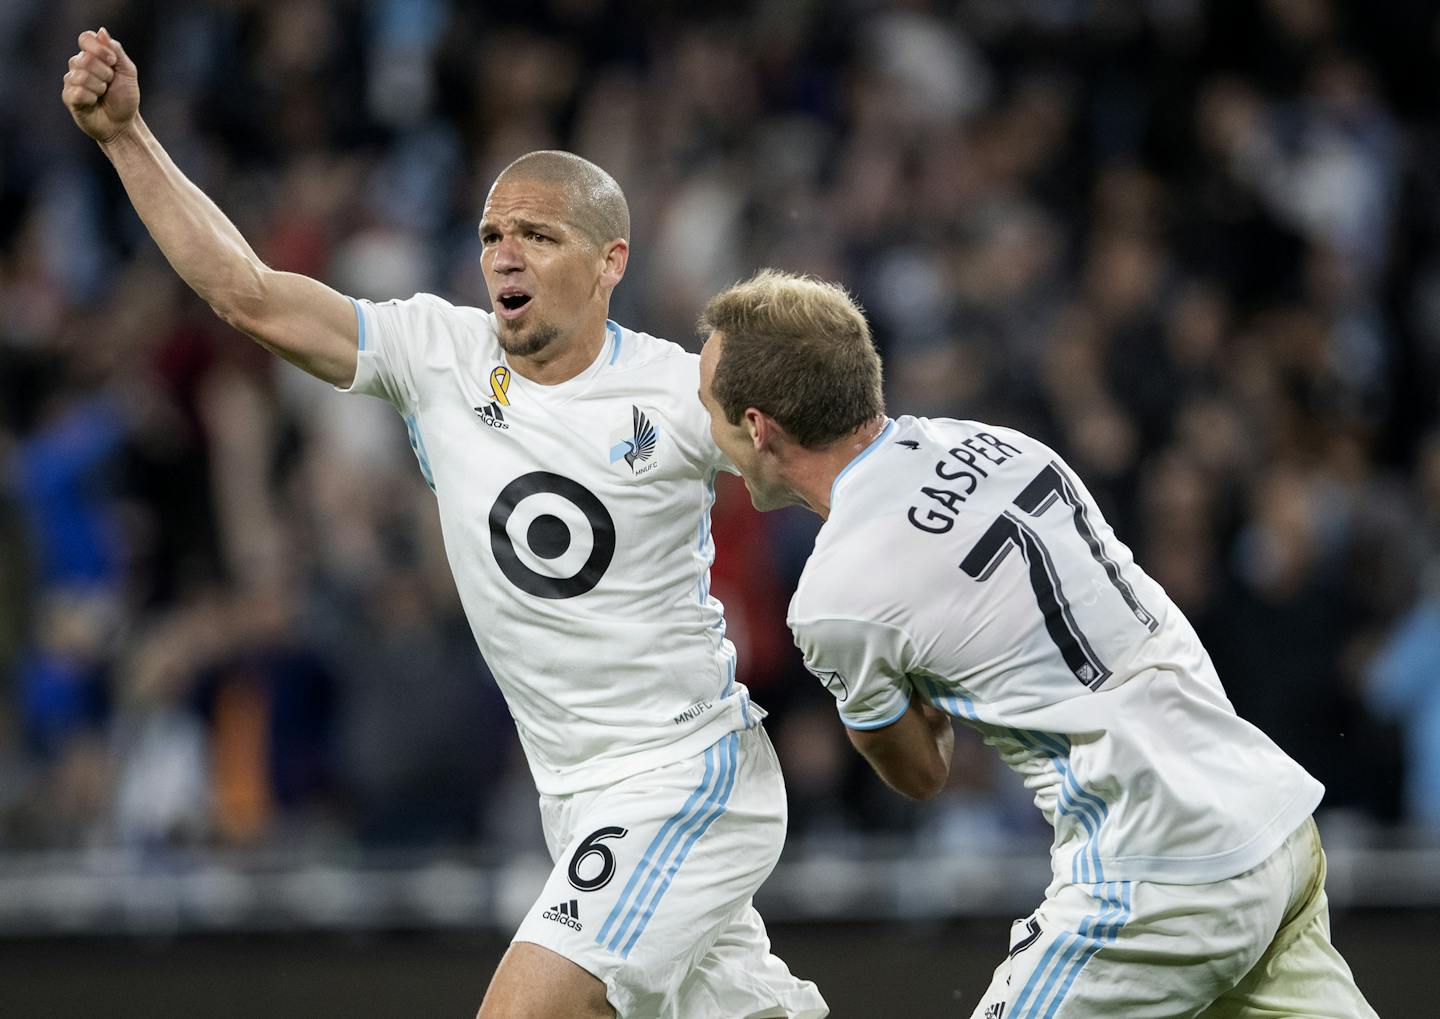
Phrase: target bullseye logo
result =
(559, 526)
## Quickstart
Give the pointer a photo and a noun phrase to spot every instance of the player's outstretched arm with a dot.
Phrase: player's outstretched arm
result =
(301, 319)
(913, 754)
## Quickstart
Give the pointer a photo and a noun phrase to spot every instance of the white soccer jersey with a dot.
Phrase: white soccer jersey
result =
(966, 564)
(576, 520)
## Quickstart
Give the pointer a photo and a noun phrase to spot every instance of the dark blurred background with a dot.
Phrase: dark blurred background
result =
(1192, 245)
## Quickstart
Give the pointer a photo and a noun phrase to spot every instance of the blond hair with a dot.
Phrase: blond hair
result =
(799, 349)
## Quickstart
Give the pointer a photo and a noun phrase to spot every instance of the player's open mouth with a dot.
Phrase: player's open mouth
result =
(511, 304)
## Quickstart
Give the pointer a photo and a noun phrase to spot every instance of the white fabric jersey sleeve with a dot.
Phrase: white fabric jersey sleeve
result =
(576, 520)
(967, 565)
(864, 664)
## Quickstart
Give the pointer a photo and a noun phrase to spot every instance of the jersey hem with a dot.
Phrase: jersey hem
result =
(596, 774)
(1197, 870)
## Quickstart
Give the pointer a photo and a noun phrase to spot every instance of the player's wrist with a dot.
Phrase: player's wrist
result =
(126, 133)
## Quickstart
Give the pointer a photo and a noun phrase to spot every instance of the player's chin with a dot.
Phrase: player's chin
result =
(764, 498)
(525, 340)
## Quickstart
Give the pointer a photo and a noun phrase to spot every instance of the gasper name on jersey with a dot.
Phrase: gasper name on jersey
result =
(962, 471)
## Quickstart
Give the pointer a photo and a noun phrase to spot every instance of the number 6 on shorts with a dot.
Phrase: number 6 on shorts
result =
(593, 845)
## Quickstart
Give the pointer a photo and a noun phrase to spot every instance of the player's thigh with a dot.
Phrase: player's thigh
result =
(1301, 971)
(653, 869)
(1308, 978)
(532, 982)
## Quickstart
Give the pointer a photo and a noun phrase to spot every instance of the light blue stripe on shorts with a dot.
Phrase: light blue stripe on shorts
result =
(668, 849)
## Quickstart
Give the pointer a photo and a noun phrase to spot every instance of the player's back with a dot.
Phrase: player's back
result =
(967, 563)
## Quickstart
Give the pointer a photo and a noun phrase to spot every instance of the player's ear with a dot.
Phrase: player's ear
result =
(761, 427)
(616, 256)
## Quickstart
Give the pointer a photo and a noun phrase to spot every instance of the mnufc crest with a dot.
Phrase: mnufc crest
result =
(638, 450)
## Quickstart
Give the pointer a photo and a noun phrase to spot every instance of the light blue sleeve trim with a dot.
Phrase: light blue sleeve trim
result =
(867, 726)
(614, 331)
(359, 318)
(417, 444)
(874, 445)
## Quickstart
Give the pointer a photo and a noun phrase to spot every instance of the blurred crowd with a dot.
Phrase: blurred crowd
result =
(1190, 244)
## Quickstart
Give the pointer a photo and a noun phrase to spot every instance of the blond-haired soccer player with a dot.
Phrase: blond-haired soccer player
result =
(574, 474)
(964, 572)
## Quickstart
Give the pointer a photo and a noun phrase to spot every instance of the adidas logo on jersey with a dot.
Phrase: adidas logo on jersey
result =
(995, 1011)
(567, 913)
(492, 415)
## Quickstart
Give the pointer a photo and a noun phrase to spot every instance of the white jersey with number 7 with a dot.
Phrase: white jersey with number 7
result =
(967, 565)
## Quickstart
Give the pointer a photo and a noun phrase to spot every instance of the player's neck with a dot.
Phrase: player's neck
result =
(561, 362)
(812, 472)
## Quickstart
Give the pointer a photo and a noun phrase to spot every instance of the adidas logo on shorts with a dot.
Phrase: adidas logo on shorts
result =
(567, 913)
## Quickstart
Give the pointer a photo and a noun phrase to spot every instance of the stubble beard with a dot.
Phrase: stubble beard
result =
(527, 345)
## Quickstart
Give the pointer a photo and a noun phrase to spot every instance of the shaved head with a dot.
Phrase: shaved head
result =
(597, 205)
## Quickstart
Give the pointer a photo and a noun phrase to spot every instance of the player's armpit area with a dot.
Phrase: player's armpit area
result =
(913, 754)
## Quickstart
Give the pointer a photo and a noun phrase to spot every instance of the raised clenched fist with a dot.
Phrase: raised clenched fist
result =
(102, 87)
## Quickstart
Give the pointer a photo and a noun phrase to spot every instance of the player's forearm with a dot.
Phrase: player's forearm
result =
(198, 240)
(913, 754)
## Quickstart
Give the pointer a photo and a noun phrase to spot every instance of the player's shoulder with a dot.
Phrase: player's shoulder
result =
(637, 351)
(843, 601)
(429, 321)
(849, 575)
(920, 478)
(434, 306)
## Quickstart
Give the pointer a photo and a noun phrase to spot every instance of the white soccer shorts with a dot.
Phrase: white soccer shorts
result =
(1252, 946)
(652, 885)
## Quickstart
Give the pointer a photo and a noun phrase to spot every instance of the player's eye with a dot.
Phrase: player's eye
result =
(536, 235)
(489, 237)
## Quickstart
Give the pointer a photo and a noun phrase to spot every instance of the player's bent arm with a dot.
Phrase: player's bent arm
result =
(913, 753)
(301, 319)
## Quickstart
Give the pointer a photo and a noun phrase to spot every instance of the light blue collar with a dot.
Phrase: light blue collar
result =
(614, 331)
(874, 444)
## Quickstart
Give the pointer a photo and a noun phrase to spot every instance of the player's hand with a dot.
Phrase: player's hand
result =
(102, 87)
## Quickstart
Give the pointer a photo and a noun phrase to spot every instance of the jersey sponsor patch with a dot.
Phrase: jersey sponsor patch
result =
(636, 444)
(538, 538)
